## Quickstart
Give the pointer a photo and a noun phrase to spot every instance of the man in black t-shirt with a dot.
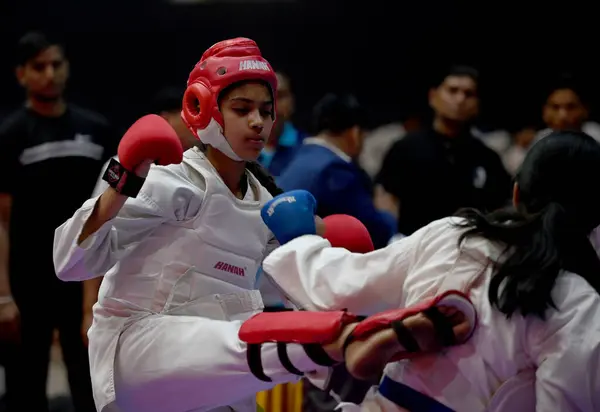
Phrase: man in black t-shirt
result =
(434, 172)
(50, 155)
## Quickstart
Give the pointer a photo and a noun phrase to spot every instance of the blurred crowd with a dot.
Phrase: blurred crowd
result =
(395, 178)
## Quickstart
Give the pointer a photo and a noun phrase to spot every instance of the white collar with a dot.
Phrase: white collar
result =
(322, 142)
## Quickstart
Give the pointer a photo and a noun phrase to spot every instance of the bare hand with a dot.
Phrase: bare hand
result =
(10, 322)
(386, 202)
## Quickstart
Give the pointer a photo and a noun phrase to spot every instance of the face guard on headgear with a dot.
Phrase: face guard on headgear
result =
(223, 64)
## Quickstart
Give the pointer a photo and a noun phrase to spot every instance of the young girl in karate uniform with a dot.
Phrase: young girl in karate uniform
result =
(179, 246)
(531, 271)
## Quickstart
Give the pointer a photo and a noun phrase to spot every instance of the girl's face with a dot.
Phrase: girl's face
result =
(248, 118)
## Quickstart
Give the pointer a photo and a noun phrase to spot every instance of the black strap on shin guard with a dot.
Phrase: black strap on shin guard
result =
(285, 359)
(254, 358)
(318, 355)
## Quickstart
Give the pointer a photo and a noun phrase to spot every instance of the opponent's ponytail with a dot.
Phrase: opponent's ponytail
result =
(538, 248)
(548, 232)
(264, 177)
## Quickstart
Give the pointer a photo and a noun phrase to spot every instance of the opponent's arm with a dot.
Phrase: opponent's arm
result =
(316, 276)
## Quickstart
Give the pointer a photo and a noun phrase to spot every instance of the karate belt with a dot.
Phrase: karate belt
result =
(408, 398)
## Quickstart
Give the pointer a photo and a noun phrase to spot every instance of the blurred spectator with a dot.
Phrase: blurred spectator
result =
(51, 153)
(522, 140)
(378, 142)
(497, 139)
(285, 138)
(566, 107)
(434, 172)
(325, 166)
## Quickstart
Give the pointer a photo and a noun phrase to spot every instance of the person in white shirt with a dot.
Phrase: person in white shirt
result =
(532, 272)
(178, 324)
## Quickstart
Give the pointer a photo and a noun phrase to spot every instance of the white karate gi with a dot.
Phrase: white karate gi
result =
(516, 365)
(180, 262)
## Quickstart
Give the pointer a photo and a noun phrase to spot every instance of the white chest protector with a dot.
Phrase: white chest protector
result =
(218, 251)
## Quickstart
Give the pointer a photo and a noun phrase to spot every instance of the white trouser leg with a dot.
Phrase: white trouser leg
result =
(183, 363)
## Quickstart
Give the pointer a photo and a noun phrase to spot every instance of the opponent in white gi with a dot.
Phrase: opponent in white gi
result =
(531, 271)
(180, 244)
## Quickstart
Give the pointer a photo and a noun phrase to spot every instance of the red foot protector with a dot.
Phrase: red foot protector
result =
(310, 329)
(347, 232)
(393, 318)
(295, 327)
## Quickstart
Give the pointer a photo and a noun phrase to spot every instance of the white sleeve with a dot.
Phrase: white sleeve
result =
(566, 350)
(316, 276)
(163, 198)
(163, 352)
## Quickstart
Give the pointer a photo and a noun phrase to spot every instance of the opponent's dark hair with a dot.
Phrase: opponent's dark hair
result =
(548, 232)
(32, 44)
(336, 113)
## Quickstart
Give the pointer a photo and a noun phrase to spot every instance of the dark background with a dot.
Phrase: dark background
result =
(387, 52)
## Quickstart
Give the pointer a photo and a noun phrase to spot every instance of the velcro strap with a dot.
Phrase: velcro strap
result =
(442, 325)
(317, 354)
(351, 338)
(405, 337)
(122, 180)
(276, 309)
(254, 358)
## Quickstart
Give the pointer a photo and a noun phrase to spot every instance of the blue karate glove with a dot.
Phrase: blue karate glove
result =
(290, 214)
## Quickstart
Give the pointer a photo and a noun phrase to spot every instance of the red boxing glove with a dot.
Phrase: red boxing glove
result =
(150, 138)
(347, 232)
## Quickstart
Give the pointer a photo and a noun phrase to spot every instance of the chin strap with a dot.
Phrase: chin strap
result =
(213, 136)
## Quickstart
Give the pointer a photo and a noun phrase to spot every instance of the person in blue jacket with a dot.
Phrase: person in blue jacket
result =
(285, 139)
(325, 166)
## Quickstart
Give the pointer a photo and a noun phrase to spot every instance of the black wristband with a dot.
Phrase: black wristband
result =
(122, 180)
